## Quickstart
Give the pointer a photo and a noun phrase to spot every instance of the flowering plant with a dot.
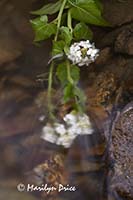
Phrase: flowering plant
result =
(64, 133)
(71, 36)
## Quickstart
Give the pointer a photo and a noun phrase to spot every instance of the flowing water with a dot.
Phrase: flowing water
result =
(98, 165)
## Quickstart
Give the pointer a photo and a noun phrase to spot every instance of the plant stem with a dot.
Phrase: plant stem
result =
(59, 18)
(50, 78)
(69, 21)
(70, 79)
(50, 107)
(69, 73)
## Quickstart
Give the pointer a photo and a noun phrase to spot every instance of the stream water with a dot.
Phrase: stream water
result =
(97, 166)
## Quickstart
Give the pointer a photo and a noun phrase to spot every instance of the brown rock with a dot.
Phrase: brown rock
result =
(10, 47)
(19, 113)
(16, 32)
(104, 56)
(121, 179)
(118, 12)
(124, 42)
(23, 81)
(110, 38)
(24, 121)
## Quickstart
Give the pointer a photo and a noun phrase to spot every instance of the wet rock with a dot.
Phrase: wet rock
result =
(10, 47)
(121, 179)
(11, 67)
(25, 121)
(25, 82)
(50, 172)
(24, 6)
(19, 112)
(24, 31)
(106, 85)
(104, 55)
(118, 12)
(110, 38)
(13, 37)
(124, 42)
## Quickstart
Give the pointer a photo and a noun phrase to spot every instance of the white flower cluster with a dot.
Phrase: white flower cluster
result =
(83, 53)
(64, 133)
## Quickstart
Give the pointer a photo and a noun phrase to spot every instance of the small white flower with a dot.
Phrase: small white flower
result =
(87, 131)
(79, 130)
(94, 54)
(49, 137)
(70, 119)
(60, 128)
(89, 52)
(63, 134)
(83, 125)
(48, 129)
(41, 118)
(48, 134)
(66, 140)
(72, 130)
(85, 44)
(82, 53)
(84, 119)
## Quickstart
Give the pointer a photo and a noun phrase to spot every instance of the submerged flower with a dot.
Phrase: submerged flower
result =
(48, 134)
(65, 140)
(64, 133)
(70, 118)
(60, 128)
(82, 125)
(83, 53)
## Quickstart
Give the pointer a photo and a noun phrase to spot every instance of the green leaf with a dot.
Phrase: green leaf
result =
(80, 94)
(82, 31)
(58, 47)
(66, 35)
(39, 21)
(62, 73)
(99, 4)
(66, 49)
(87, 12)
(75, 73)
(42, 29)
(48, 9)
(68, 93)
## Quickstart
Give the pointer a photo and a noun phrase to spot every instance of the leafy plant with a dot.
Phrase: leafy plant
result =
(71, 23)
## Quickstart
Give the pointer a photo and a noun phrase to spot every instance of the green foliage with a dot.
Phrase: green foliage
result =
(87, 11)
(82, 31)
(80, 95)
(68, 93)
(58, 47)
(99, 4)
(62, 73)
(75, 73)
(48, 9)
(66, 35)
(43, 30)
(72, 91)
(82, 13)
